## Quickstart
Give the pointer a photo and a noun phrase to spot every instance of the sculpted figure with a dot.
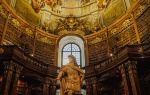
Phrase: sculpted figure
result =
(71, 78)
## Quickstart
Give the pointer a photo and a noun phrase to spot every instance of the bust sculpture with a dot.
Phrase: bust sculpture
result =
(71, 78)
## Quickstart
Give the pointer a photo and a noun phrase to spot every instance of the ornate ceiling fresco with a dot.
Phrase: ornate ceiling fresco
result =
(66, 16)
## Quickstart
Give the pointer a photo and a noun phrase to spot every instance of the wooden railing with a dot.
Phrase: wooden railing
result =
(12, 52)
(132, 52)
(110, 41)
(42, 45)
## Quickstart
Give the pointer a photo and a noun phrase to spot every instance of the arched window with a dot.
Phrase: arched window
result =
(71, 45)
(71, 49)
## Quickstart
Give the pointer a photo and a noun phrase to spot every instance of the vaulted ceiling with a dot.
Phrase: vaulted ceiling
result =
(81, 16)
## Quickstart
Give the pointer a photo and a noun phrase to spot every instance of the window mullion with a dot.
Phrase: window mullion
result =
(71, 49)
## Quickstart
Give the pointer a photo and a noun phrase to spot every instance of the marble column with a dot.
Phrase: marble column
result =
(124, 80)
(46, 87)
(86, 53)
(137, 34)
(10, 78)
(7, 78)
(132, 71)
(15, 79)
(5, 28)
(88, 87)
(94, 85)
(50, 90)
(54, 88)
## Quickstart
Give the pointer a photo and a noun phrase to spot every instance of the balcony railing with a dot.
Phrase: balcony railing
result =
(12, 52)
(129, 52)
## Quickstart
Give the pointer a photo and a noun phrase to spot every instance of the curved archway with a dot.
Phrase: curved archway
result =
(74, 40)
(71, 49)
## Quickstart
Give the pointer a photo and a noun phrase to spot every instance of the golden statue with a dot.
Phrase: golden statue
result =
(71, 78)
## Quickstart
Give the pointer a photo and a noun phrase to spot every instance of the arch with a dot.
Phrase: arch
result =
(73, 49)
(71, 39)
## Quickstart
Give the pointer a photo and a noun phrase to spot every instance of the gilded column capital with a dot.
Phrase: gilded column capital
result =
(122, 69)
(131, 65)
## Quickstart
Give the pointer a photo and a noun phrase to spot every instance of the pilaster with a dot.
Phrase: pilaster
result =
(46, 87)
(125, 82)
(15, 79)
(10, 78)
(132, 71)
(5, 29)
(88, 87)
(94, 85)
(7, 78)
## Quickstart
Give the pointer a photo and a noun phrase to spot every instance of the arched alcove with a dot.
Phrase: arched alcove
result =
(68, 40)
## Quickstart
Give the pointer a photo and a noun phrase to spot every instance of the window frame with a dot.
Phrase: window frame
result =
(80, 65)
